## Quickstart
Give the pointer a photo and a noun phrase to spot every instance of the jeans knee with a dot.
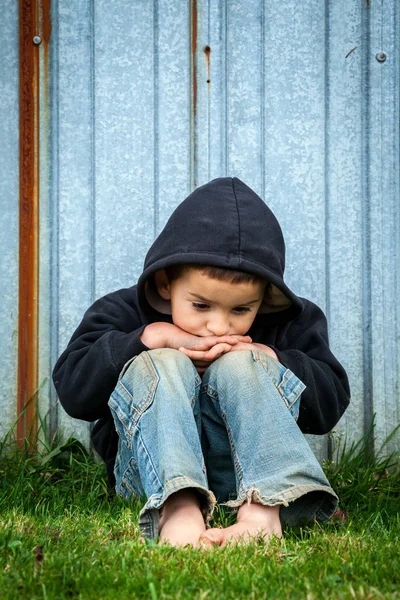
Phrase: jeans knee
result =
(229, 370)
(168, 361)
(154, 363)
(154, 378)
(233, 362)
(243, 367)
(169, 356)
(247, 362)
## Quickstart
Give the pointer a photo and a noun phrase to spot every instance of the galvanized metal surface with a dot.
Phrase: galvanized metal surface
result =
(9, 200)
(149, 99)
(384, 220)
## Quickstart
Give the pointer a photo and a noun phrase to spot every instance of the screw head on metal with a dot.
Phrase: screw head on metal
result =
(381, 57)
(37, 40)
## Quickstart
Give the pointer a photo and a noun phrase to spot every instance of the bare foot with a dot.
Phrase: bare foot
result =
(253, 521)
(181, 520)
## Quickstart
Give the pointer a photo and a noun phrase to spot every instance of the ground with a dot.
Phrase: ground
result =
(63, 536)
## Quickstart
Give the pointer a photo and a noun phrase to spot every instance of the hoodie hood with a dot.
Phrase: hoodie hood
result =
(223, 223)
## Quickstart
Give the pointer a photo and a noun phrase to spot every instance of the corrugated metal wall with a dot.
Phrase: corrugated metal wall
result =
(9, 171)
(149, 99)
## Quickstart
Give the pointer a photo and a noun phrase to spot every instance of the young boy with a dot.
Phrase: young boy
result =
(203, 376)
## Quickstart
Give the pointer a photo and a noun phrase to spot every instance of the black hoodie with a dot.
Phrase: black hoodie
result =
(223, 223)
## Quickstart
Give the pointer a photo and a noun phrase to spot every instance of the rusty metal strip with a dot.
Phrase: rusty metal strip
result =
(29, 111)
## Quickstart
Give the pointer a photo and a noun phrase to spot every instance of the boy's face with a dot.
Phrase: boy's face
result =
(204, 306)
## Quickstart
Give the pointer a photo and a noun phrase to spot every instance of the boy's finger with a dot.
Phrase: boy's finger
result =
(200, 344)
(213, 347)
(206, 343)
(244, 338)
(231, 339)
(217, 350)
(193, 354)
(226, 339)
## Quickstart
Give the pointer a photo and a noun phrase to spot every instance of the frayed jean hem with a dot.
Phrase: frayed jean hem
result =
(299, 504)
(149, 517)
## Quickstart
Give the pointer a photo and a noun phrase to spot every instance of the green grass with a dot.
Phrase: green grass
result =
(63, 536)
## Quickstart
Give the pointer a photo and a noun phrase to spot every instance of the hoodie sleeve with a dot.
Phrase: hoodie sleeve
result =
(307, 355)
(88, 370)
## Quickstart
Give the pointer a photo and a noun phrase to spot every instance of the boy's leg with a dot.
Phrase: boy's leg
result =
(255, 399)
(156, 410)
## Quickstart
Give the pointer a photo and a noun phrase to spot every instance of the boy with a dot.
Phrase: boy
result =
(203, 368)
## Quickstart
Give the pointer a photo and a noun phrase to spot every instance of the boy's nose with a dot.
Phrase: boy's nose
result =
(218, 326)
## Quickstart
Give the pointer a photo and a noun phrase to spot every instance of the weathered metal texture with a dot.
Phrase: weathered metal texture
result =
(382, 229)
(9, 201)
(47, 229)
(346, 56)
(72, 190)
(152, 98)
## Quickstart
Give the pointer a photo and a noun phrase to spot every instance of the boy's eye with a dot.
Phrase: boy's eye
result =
(200, 305)
(241, 309)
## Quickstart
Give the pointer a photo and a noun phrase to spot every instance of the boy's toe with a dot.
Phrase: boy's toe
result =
(212, 537)
(205, 544)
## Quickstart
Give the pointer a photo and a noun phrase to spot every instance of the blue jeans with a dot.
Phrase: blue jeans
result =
(231, 435)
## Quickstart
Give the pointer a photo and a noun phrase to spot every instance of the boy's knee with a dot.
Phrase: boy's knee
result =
(169, 356)
(168, 361)
(153, 363)
(243, 365)
(230, 368)
(233, 362)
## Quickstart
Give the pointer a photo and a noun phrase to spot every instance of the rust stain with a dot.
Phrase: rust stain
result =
(194, 87)
(28, 222)
(207, 52)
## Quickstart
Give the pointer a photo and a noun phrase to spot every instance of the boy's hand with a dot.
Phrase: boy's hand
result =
(166, 335)
(203, 358)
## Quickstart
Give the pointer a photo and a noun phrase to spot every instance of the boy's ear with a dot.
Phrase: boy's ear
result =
(162, 284)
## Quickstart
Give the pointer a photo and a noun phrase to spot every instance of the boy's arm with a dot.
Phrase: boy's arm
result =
(88, 370)
(307, 354)
(167, 335)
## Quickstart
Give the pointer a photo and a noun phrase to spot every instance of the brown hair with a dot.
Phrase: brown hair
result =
(219, 273)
